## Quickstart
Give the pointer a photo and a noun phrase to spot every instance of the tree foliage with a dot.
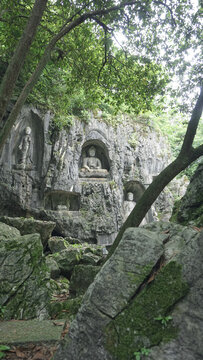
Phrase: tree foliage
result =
(83, 56)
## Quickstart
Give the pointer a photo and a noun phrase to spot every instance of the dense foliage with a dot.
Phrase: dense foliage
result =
(86, 68)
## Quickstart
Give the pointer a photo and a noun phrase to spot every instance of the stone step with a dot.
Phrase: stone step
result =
(15, 332)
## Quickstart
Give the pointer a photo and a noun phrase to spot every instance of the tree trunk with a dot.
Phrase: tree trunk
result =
(17, 61)
(185, 158)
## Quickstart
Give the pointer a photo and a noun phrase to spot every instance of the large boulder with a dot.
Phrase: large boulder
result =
(67, 259)
(67, 256)
(189, 210)
(147, 297)
(57, 244)
(30, 226)
(82, 277)
(24, 277)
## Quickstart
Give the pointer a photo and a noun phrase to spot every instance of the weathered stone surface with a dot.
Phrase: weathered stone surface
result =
(152, 274)
(57, 243)
(65, 309)
(67, 259)
(53, 267)
(189, 210)
(90, 259)
(117, 281)
(44, 180)
(188, 314)
(82, 277)
(30, 226)
(8, 232)
(23, 276)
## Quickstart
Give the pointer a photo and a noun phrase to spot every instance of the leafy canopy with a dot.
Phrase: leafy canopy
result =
(86, 68)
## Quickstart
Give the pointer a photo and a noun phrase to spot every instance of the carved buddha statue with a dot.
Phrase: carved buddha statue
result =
(24, 147)
(91, 165)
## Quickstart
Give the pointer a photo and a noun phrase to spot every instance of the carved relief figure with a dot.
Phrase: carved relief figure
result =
(129, 205)
(91, 165)
(91, 162)
(24, 147)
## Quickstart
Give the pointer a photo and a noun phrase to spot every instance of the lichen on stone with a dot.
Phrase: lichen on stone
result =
(137, 326)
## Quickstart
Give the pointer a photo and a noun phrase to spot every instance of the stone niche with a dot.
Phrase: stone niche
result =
(133, 191)
(59, 200)
(135, 188)
(28, 144)
(94, 161)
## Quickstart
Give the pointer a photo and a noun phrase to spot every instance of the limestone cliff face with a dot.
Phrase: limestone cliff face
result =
(43, 173)
(189, 209)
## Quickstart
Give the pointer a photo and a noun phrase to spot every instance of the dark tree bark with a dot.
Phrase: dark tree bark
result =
(186, 156)
(17, 61)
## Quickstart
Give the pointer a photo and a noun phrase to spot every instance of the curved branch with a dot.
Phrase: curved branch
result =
(169, 9)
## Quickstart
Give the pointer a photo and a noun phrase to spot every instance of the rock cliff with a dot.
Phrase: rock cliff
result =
(80, 178)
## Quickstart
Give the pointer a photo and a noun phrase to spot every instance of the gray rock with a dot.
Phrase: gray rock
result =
(189, 210)
(57, 243)
(8, 232)
(30, 226)
(53, 267)
(90, 259)
(117, 281)
(67, 259)
(46, 180)
(82, 277)
(23, 275)
(151, 275)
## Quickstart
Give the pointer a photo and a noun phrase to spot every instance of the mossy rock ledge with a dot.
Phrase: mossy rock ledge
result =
(147, 296)
(189, 209)
(24, 277)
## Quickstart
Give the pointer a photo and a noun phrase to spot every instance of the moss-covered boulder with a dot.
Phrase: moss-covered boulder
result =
(24, 279)
(90, 259)
(189, 209)
(67, 259)
(146, 298)
(70, 255)
(53, 267)
(65, 309)
(82, 277)
(57, 244)
(8, 232)
(30, 226)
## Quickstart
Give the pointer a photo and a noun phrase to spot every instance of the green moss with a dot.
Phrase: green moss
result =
(138, 278)
(137, 327)
(191, 215)
(176, 209)
(65, 309)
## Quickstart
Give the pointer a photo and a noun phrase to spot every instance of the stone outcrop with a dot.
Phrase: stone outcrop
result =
(147, 297)
(30, 226)
(189, 209)
(24, 276)
(79, 178)
(66, 257)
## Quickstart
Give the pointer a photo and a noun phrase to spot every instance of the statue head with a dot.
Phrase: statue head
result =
(27, 130)
(92, 151)
(130, 196)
